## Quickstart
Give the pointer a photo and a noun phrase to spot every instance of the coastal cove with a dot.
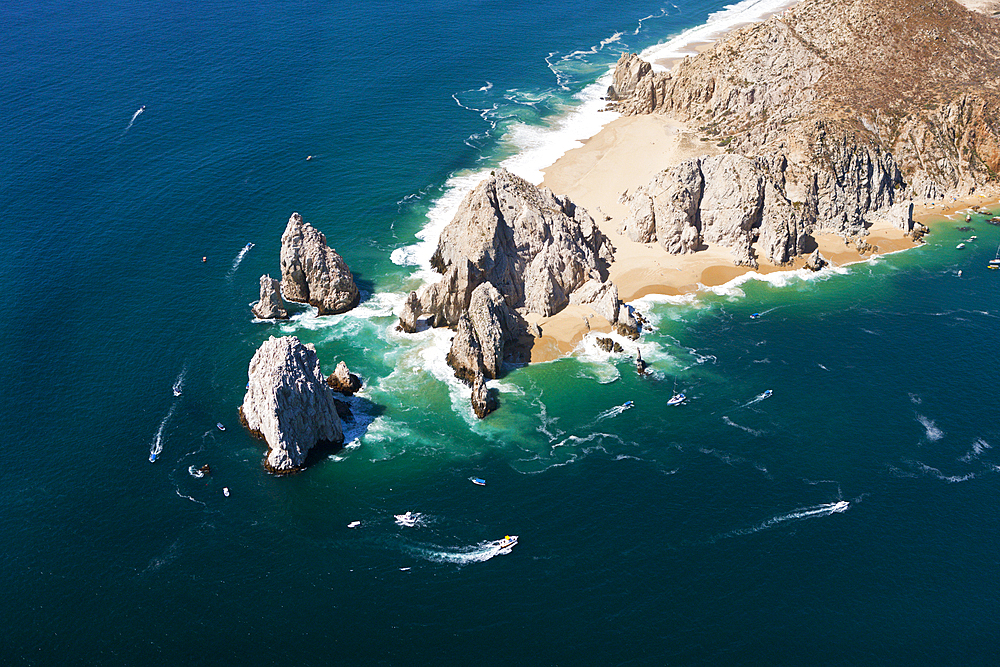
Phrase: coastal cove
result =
(825, 492)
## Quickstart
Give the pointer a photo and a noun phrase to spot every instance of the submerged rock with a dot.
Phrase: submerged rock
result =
(288, 404)
(610, 345)
(312, 272)
(270, 306)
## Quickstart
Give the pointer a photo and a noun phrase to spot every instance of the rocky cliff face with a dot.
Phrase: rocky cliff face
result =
(535, 248)
(270, 306)
(288, 403)
(862, 102)
(477, 347)
(312, 272)
(726, 200)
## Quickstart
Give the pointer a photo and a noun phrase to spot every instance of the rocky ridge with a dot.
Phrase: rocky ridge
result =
(289, 404)
(832, 113)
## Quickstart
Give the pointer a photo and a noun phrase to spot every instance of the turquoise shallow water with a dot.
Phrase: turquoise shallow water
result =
(703, 534)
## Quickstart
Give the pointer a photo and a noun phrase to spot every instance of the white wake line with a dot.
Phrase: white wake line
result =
(477, 553)
(157, 446)
(795, 515)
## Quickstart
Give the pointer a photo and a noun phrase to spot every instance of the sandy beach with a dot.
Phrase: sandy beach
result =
(627, 153)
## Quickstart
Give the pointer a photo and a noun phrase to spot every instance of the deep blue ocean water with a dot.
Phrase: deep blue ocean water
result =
(707, 533)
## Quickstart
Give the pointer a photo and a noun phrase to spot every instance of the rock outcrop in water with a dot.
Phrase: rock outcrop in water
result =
(312, 272)
(343, 381)
(831, 112)
(270, 306)
(289, 404)
(482, 332)
(511, 249)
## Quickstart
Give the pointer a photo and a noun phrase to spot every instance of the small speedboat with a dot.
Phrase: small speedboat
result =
(152, 457)
(354, 524)
(628, 404)
(840, 506)
(754, 316)
(676, 399)
(960, 246)
(507, 542)
(248, 246)
(478, 480)
(225, 491)
(220, 426)
(767, 394)
(994, 264)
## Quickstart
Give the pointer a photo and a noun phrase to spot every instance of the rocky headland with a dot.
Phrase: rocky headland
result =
(830, 115)
(289, 404)
(823, 135)
(512, 251)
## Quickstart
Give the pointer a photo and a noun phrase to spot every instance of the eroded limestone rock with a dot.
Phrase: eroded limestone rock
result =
(312, 272)
(270, 306)
(288, 404)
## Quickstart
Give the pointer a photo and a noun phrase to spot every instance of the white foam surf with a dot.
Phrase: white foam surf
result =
(931, 471)
(978, 447)
(932, 432)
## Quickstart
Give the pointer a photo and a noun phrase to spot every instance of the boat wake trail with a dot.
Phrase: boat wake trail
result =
(157, 446)
(749, 430)
(476, 553)
(132, 120)
(239, 258)
(179, 382)
(796, 515)
(612, 412)
(410, 519)
(757, 399)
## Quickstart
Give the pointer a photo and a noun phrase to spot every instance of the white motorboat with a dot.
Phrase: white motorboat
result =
(507, 542)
